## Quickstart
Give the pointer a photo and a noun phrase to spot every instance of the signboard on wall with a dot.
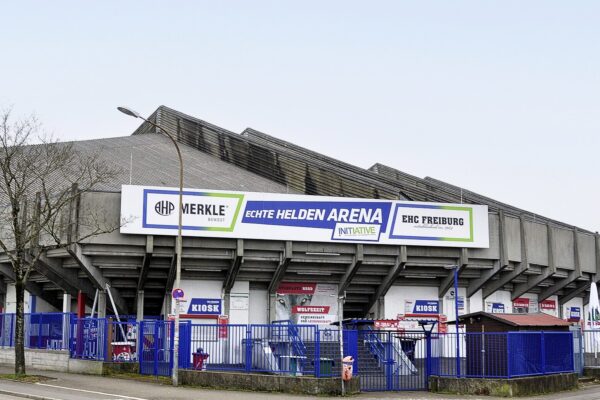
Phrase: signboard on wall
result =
(421, 307)
(494, 308)
(200, 306)
(306, 302)
(521, 305)
(548, 305)
(573, 314)
(154, 211)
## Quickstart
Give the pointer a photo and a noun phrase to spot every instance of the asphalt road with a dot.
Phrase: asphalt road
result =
(84, 387)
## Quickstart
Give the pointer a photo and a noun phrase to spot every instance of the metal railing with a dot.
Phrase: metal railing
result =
(504, 355)
(41, 330)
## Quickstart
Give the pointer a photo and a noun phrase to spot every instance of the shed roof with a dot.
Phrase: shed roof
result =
(532, 319)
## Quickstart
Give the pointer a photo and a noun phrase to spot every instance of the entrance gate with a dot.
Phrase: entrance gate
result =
(156, 348)
(393, 361)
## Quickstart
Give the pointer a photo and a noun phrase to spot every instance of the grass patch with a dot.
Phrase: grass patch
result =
(163, 380)
(25, 378)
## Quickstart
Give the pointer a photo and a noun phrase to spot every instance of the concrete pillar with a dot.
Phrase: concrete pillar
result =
(102, 304)
(140, 305)
(226, 304)
(381, 308)
(67, 299)
(66, 319)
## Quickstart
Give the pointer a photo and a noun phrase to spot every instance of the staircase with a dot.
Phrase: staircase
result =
(329, 350)
(368, 364)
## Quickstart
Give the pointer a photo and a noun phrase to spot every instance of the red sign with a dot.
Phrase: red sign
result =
(223, 320)
(521, 302)
(548, 305)
(296, 288)
(385, 323)
(310, 309)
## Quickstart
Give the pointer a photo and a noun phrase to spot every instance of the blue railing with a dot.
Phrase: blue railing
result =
(504, 355)
(376, 346)
(42, 330)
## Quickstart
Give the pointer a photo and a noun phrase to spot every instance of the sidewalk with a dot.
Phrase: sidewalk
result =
(88, 387)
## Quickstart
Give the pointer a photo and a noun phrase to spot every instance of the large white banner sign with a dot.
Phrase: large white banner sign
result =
(250, 215)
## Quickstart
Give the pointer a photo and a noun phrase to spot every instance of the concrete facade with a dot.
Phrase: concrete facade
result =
(529, 255)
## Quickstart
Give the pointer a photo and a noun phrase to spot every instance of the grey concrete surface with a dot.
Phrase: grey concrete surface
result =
(66, 386)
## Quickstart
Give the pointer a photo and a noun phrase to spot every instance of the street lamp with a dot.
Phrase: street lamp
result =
(455, 268)
(178, 245)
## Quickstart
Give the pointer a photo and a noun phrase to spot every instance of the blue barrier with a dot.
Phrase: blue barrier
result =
(41, 330)
(503, 355)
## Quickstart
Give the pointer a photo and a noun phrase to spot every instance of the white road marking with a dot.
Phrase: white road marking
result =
(24, 395)
(119, 396)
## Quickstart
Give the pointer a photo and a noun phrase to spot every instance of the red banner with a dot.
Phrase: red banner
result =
(296, 288)
(521, 302)
(548, 305)
(223, 320)
(385, 323)
(310, 309)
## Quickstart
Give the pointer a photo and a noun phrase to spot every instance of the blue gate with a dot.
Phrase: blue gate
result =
(393, 361)
(156, 348)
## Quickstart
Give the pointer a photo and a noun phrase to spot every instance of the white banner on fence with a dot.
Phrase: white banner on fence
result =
(249, 215)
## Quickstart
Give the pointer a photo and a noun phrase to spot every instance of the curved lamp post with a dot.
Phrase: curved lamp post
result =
(178, 245)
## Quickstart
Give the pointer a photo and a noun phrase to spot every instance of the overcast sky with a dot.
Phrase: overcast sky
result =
(500, 97)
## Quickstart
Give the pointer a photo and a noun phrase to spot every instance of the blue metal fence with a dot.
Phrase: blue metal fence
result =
(503, 355)
(384, 360)
(42, 330)
(279, 348)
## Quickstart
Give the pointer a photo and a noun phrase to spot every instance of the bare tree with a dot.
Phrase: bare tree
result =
(40, 180)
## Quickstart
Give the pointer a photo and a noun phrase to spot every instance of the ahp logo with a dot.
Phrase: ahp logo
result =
(164, 207)
(202, 211)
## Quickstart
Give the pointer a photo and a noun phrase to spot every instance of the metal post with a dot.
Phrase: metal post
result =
(179, 242)
(341, 338)
(456, 320)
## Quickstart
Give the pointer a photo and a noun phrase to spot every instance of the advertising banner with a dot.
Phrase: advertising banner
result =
(573, 314)
(223, 321)
(306, 303)
(521, 305)
(269, 216)
(494, 308)
(548, 305)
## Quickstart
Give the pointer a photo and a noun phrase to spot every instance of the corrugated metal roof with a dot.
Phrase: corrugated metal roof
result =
(151, 159)
(532, 319)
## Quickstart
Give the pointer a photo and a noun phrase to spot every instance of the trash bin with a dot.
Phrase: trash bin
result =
(198, 358)
(348, 362)
(326, 366)
(122, 351)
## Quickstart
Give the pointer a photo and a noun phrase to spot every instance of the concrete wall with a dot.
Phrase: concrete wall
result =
(527, 386)
(267, 383)
(476, 302)
(396, 298)
(52, 360)
(211, 289)
(259, 304)
(11, 302)
(501, 296)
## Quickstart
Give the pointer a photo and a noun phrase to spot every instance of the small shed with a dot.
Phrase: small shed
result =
(504, 344)
(491, 322)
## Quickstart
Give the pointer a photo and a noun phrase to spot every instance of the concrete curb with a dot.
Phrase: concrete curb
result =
(26, 395)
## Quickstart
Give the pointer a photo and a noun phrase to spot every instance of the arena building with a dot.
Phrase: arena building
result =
(512, 260)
